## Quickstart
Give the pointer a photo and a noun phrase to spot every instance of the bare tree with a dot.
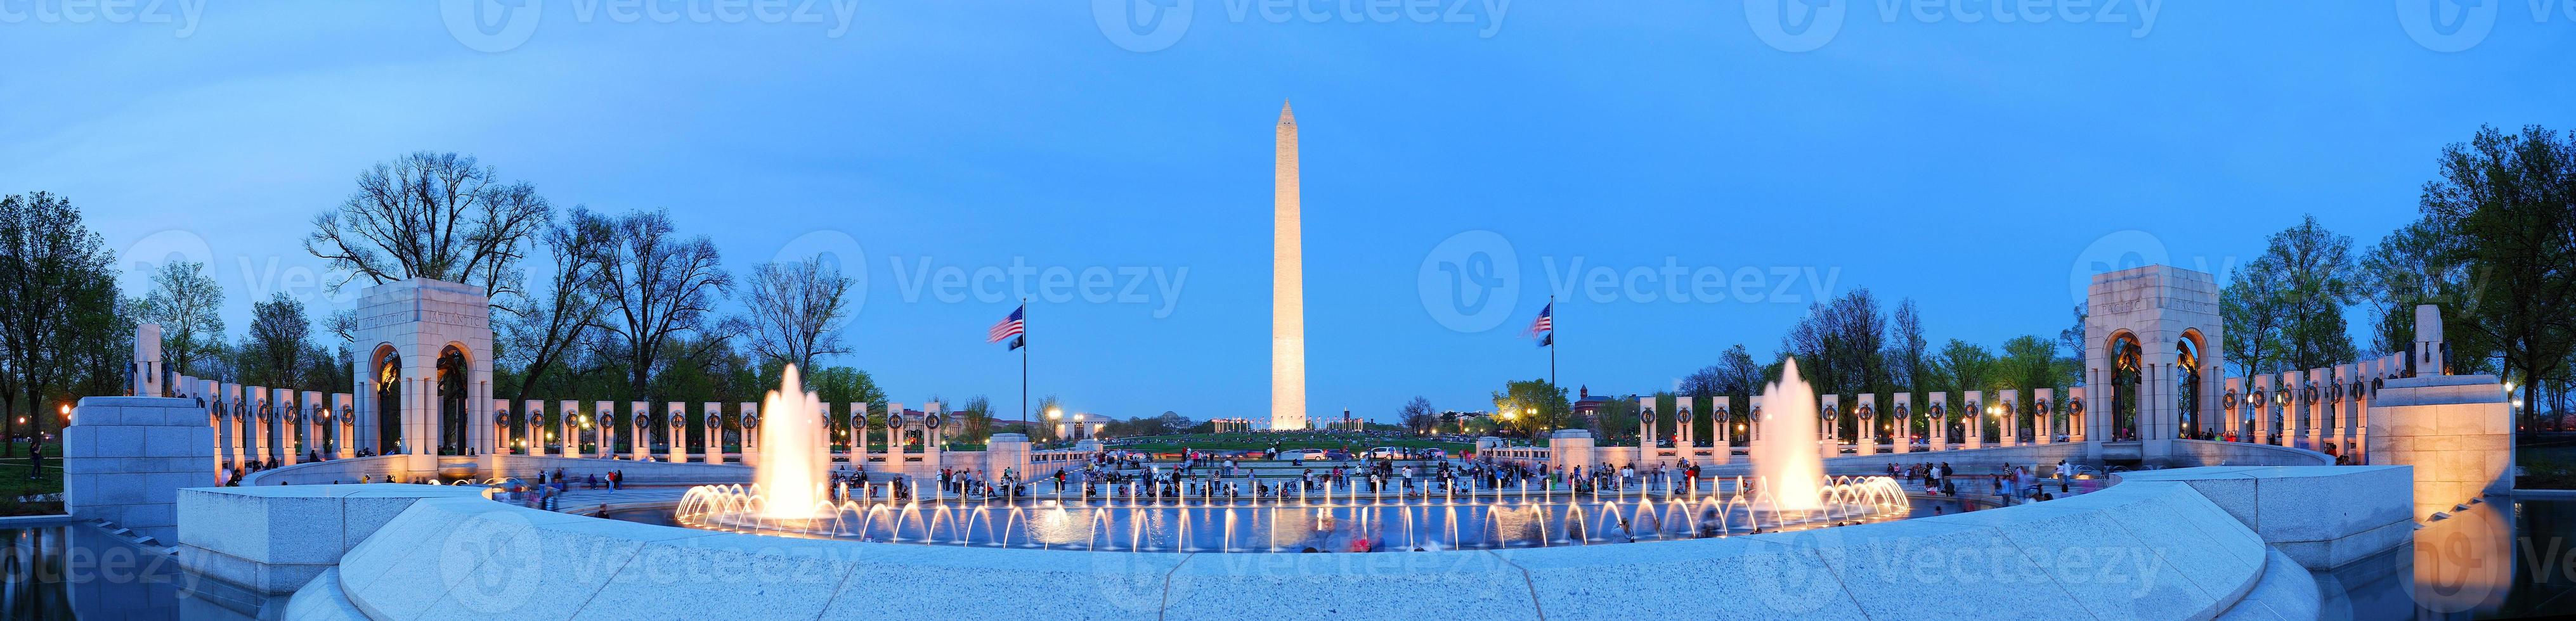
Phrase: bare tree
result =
(797, 310)
(431, 215)
(1907, 348)
(660, 286)
(1418, 415)
(188, 305)
(544, 327)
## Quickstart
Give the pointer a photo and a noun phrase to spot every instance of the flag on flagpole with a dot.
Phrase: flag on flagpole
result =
(1550, 339)
(1010, 326)
(1546, 322)
(1017, 343)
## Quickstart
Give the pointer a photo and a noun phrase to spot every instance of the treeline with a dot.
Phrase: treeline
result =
(2494, 245)
(633, 309)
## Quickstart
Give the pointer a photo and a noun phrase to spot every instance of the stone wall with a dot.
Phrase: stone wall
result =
(2456, 430)
(125, 459)
(272, 540)
(2149, 549)
(2322, 516)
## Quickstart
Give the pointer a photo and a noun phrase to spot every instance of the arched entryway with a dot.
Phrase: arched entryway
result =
(2128, 360)
(2187, 387)
(389, 402)
(452, 369)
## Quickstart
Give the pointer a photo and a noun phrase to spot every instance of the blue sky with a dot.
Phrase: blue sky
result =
(1975, 167)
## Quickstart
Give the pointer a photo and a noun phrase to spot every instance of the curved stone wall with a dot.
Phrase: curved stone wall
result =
(2215, 453)
(523, 466)
(2157, 550)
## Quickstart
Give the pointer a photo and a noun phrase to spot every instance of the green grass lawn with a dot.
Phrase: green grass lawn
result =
(14, 482)
(2546, 467)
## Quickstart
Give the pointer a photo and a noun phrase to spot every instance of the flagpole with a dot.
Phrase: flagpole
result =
(1024, 360)
(1551, 341)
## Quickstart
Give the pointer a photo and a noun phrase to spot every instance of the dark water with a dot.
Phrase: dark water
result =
(2499, 560)
(76, 571)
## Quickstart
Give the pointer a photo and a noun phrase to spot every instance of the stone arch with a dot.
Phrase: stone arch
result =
(387, 373)
(2190, 384)
(2127, 356)
(453, 371)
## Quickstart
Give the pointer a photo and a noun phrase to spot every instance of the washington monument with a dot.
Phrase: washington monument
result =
(1287, 286)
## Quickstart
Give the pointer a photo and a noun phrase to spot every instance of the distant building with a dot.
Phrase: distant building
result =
(1346, 423)
(1230, 425)
(1588, 407)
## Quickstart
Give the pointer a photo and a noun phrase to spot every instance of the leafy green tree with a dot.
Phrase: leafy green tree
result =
(60, 295)
(275, 352)
(2257, 319)
(2504, 207)
(1964, 366)
(189, 306)
(2318, 279)
(1529, 407)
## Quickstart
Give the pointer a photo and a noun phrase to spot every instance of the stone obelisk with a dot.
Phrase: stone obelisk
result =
(1287, 286)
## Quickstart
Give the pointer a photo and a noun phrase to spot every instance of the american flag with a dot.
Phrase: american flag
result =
(1546, 322)
(1010, 326)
